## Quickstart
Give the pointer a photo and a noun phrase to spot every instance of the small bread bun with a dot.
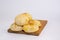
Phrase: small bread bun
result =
(15, 27)
(30, 28)
(35, 22)
(23, 19)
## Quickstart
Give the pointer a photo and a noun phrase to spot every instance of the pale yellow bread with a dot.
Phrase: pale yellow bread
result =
(32, 26)
(15, 27)
(23, 19)
(35, 22)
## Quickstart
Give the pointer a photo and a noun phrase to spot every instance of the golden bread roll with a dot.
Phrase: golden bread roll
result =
(30, 28)
(35, 22)
(23, 19)
(15, 27)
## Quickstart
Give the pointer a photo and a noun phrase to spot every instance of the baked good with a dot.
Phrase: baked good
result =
(25, 24)
(15, 27)
(32, 26)
(22, 19)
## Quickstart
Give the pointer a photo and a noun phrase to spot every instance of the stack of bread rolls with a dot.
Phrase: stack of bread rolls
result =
(26, 23)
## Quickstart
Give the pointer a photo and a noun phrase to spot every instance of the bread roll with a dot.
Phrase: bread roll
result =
(35, 22)
(15, 27)
(30, 28)
(23, 19)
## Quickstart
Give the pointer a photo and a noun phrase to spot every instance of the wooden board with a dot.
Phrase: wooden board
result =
(43, 22)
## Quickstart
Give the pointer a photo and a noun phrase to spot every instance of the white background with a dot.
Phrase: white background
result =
(39, 9)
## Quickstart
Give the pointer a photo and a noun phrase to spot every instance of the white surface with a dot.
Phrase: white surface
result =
(40, 9)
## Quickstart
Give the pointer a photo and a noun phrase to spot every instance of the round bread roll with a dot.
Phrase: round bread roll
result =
(23, 19)
(15, 27)
(30, 28)
(33, 26)
(35, 22)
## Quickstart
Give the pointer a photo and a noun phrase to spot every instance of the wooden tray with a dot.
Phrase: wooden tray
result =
(43, 22)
